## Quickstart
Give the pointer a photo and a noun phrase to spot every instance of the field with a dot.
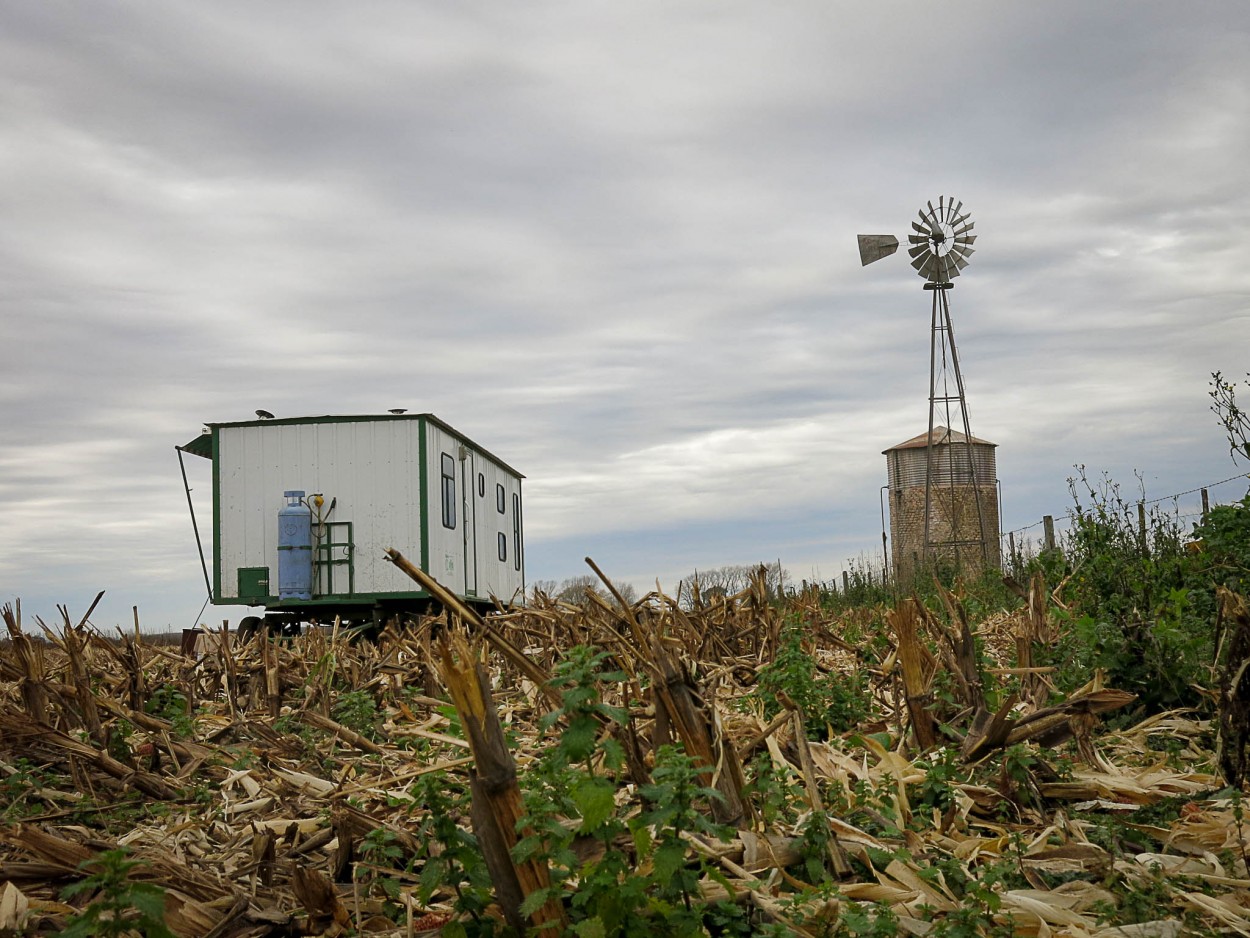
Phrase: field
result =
(991, 758)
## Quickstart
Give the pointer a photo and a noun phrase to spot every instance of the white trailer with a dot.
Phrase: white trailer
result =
(364, 484)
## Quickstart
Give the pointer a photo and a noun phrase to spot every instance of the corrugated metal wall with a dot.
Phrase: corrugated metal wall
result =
(370, 467)
(906, 467)
(954, 530)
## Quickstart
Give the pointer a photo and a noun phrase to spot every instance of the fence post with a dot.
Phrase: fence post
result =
(846, 583)
(1141, 526)
(1048, 524)
(1206, 506)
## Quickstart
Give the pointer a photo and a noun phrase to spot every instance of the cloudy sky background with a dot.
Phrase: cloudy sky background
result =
(615, 244)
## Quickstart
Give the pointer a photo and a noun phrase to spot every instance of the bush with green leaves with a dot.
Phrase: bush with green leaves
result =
(650, 891)
(119, 906)
(358, 711)
(449, 856)
(829, 702)
(1139, 605)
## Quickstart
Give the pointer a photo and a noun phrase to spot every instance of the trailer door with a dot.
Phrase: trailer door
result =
(469, 486)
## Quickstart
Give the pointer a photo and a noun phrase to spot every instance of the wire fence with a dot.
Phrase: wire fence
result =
(1050, 529)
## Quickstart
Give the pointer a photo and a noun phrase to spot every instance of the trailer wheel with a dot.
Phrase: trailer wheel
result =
(248, 627)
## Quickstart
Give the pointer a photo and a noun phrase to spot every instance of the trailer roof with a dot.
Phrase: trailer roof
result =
(202, 445)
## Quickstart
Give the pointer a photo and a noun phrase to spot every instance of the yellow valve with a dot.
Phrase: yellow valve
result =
(318, 501)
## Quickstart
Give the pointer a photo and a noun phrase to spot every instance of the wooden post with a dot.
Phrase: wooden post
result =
(1011, 550)
(1141, 527)
(846, 583)
(1048, 525)
(1206, 506)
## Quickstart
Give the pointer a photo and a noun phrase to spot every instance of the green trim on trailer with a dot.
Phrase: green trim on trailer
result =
(216, 518)
(202, 445)
(422, 476)
(360, 600)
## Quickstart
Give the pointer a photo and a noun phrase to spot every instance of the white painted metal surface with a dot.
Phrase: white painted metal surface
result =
(370, 470)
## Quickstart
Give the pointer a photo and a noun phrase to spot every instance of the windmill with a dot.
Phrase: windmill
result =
(941, 242)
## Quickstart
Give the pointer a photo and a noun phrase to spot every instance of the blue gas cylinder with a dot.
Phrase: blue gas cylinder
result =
(295, 566)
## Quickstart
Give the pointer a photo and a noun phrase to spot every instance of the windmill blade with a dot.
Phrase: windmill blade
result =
(960, 263)
(920, 262)
(965, 239)
(965, 228)
(923, 230)
(918, 250)
(874, 247)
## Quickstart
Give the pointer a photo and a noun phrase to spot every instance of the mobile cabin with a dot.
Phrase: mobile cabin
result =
(304, 508)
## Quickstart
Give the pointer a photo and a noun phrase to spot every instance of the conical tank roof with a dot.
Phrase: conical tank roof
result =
(941, 436)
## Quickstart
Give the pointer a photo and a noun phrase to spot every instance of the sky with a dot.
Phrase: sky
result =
(616, 245)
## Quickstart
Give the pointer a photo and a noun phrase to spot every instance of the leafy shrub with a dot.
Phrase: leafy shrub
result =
(828, 702)
(119, 907)
(1139, 604)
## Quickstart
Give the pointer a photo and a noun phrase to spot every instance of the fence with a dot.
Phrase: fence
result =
(1015, 540)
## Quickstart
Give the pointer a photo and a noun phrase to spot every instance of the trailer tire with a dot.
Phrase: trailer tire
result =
(248, 627)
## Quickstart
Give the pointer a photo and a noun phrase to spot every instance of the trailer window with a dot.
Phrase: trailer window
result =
(516, 531)
(503, 546)
(449, 491)
(500, 499)
(481, 485)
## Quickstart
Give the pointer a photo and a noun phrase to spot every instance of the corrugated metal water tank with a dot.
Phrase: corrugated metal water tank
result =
(963, 477)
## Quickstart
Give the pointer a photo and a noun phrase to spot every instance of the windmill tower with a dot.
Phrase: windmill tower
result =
(958, 523)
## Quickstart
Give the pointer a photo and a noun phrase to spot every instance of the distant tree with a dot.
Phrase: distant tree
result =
(729, 580)
(546, 587)
(574, 590)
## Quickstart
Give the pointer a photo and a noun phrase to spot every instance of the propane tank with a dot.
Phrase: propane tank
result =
(294, 548)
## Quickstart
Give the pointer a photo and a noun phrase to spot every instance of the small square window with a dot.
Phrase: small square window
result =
(501, 499)
(503, 546)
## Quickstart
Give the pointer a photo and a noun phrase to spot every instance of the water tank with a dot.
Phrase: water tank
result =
(963, 503)
(295, 567)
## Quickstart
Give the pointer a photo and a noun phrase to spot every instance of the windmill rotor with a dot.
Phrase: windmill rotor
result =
(939, 245)
(941, 241)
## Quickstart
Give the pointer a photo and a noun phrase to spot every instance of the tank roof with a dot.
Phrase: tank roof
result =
(941, 436)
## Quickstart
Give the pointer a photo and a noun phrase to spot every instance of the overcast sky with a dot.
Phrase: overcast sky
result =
(614, 244)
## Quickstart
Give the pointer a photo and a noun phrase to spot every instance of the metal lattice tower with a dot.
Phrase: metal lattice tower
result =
(940, 242)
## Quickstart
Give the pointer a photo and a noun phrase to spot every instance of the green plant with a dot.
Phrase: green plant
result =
(379, 851)
(866, 920)
(829, 703)
(672, 812)
(943, 773)
(771, 790)
(21, 781)
(169, 703)
(448, 855)
(815, 835)
(580, 678)
(119, 907)
(358, 711)
(1139, 605)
